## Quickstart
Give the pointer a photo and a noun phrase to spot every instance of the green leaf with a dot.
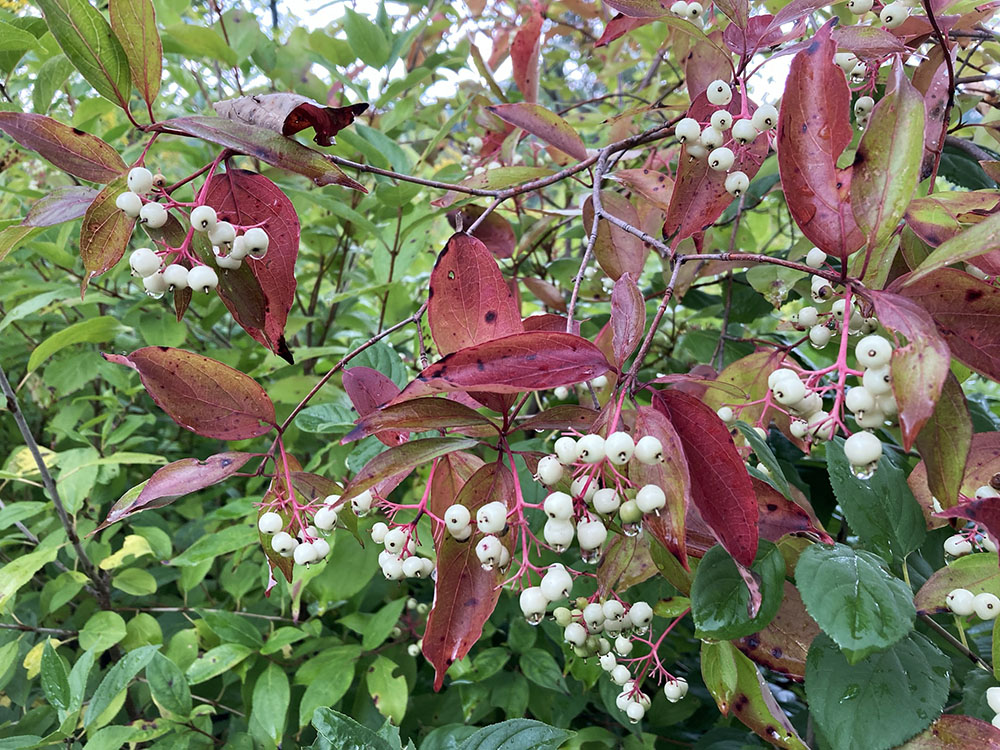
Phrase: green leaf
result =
(216, 661)
(116, 680)
(381, 624)
(19, 571)
(270, 702)
(232, 628)
(78, 681)
(102, 631)
(517, 734)
(134, 24)
(20, 511)
(881, 509)
(325, 418)
(13, 237)
(881, 701)
(50, 78)
(720, 597)
(854, 598)
(88, 42)
(366, 39)
(389, 692)
(198, 41)
(539, 666)
(766, 457)
(55, 678)
(221, 542)
(168, 686)
(282, 637)
(33, 305)
(328, 677)
(339, 732)
(87, 331)
(381, 357)
(135, 581)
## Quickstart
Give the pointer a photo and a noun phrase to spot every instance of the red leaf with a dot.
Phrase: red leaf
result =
(867, 42)
(450, 473)
(723, 493)
(176, 480)
(628, 318)
(967, 313)
(812, 132)
(982, 463)
(62, 204)
(549, 322)
(985, 512)
(80, 154)
(532, 361)
(953, 732)
(944, 443)
(699, 195)
(919, 368)
(419, 415)
(760, 32)
(780, 516)
(931, 80)
(705, 62)
(104, 233)
(201, 394)
(667, 526)
(465, 595)
(616, 250)
(782, 646)
(369, 389)
(246, 198)
(287, 114)
(619, 26)
(495, 231)
(543, 124)
(469, 301)
(563, 417)
(639, 8)
(524, 55)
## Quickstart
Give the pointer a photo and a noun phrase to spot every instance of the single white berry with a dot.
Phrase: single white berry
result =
(985, 491)
(591, 534)
(608, 662)
(153, 215)
(862, 449)
(798, 428)
(227, 262)
(869, 419)
(620, 674)
(238, 249)
(533, 602)
(140, 180)
(601, 381)
(694, 11)
(270, 523)
(325, 518)
(687, 130)
(379, 532)
(575, 634)
(488, 551)
(202, 279)
(721, 159)
(154, 285)
(413, 567)
(863, 106)
(550, 470)
(710, 138)
(392, 568)
(726, 414)
(957, 545)
(130, 203)
(765, 117)
(789, 391)
(858, 399)
(649, 450)
(256, 242)
(679, 8)
(584, 486)
(457, 517)
(362, 503)
(394, 539)
(873, 351)
(737, 183)
(557, 583)
(808, 317)
(641, 614)
(558, 534)
(993, 698)
(893, 15)
(815, 258)
(591, 448)
(304, 554)
(203, 219)
(846, 60)
(877, 380)
(144, 262)
(176, 277)
(859, 72)
(821, 426)
(886, 403)
(558, 505)
(650, 498)
(623, 646)
(566, 450)
(619, 448)
(674, 689)
(492, 517)
(593, 615)
(721, 120)
(606, 501)
(719, 93)
(695, 150)
(222, 234)
(744, 131)
(820, 336)
(986, 605)
(614, 610)
(283, 543)
(635, 712)
(321, 547)
(623, 700)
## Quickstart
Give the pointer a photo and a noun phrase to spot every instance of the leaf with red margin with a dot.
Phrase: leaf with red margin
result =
(176, 480)
(104, 233)
(60, 205)
(931, 80)
(419, 415)
(619, 26)
(985, 513)
(134, 24)
(368, 390)
(247, 198)
(617, 251)
(73, 151)
(783, 644)
(201, 394)
(812, 133)
(532, 361)
(723, 494)
(967, 313)
(278, 486)
(494, 231)
(780, 516)
(699, 195)
(919, 368)
(543, 124)
(952, 732)
(628, 318)
(938, 217)
(672, 476)
(288, 113)
(469, 301)
(981, 465)
(975, 573)
(524, 55)
(626, 562)
(465, 594)
(944, 442)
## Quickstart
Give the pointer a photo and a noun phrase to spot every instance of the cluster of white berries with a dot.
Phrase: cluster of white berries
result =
(229, 248)
(140, 182)
(892, 14)
(809, 418)
(691, 11)
(556, 585)
(310, 546)
(960, 545)
(962, 602)
(399, 559)
(818, 324)
(710, 142)
(601, 381)
(157, 280)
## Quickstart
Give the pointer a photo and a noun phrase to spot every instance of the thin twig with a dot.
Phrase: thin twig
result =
(946, 51)
(954, 642)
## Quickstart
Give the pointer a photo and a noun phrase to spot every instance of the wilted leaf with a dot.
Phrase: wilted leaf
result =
(542, 123)
(288, 113)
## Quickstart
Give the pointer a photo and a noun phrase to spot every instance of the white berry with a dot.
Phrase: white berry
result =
(556, 583)
(270, 523)
(675, 689)
(488, 551)
(710, 138)
(987, 606)
(457, 517)
(737, 183)
(283, 543)
(619, 448)
(993, 698)
(641, 614)
(140, 180)
(176, 277)
(130, 203)
(721, 120)
(362, 503)
(592, 450)
(203, 219)
(744, 131)
(620, 674)
(566, 450)
(858, 399)
(687, 130)
(533, 602)
(591, 534)
(492, 517)
(153, 215)
(719, 93)
(606, 501)
(877, 380)
(154, 285)
(649, 450)
(325, 518)
(256, 242)
(893, 15)
(550, 470)
(859, 7)
(584, 486)
(873, 351)
(144, 262)
(575, 634)
(957, 545)
(558, 505)
(222, 234)
(765, 117)
(413, 567)
(304, 554)
(863, 106)
(862, 449)
(650, 498)
(820, 336)
(815, 258)
(721, 159)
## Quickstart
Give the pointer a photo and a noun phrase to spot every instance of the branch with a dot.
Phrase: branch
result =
(957, 644)
(945, 49)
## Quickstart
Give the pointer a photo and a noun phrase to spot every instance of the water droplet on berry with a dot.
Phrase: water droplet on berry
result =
(632, 529)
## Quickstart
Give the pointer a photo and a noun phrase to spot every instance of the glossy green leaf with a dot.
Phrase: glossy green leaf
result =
(221, 542)
(387, 689)
(517, 734)
(134, 24)
(88, 331)
(339, 732)
(168, 686)
(116, 680)
(102, 631)
(270, 702)
(216, 661)
(539, 666)
(55, 678)
(766, 456)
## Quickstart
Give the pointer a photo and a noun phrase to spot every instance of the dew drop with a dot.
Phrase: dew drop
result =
(632, 529)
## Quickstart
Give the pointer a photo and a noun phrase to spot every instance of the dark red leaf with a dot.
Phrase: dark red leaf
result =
(289, 113)
(723, 493)
(737, 11)
(369, 389)
(985, 512)
(465, 595)
(780, 516)
(967, 313)
(944, 442)
(524, 55)
(450, 473)
(533, 361)
(248, 198)
(469, 302)
(650, 9)
(549, 322)
(495, 231)
(104, 233)
(80, 154)
(619, 26)
(201, 394)
(419, 415)
(812, 132)
(62, 204)
(628, 318)
(176, 480)
(543, 124)
(931, 80)
(782, 646)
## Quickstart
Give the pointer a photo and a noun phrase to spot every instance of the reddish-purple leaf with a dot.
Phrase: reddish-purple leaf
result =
(450, 473)
(938, 217)
(548, 294)
(699, 196)
(248, 198)
(419, 415)
(533, 361)
(266, 145)
(919, 368)
(80, 154)
(944, 442)
(982, 463)
(62, 204)
(812, 132)
(494, 231)
(795, 10)
(105, 232)
(465, 594)
(176, 480)
(469, 302)
(780, 516)
(931, 80)
(369, 389)
(737, 11)
(867, 42)
(953, 732)
(545, 125)
(549, 322)
(672, 476)
(782, 646)
(134, 24)
(966, 311)
(201, 394)
(760, 33)
(287, 114)
(628, 318)
(524, 55)
(705, 62)
(639, 8)
(621, 25)
(723, 493)
(616, 250)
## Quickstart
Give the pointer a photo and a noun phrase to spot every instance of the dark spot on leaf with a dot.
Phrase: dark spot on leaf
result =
(805, 127)
(77, 131)
(490, 316)
(771, 507)
(777, 653)
(479, 365)
(971, 295)
(741, 702)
